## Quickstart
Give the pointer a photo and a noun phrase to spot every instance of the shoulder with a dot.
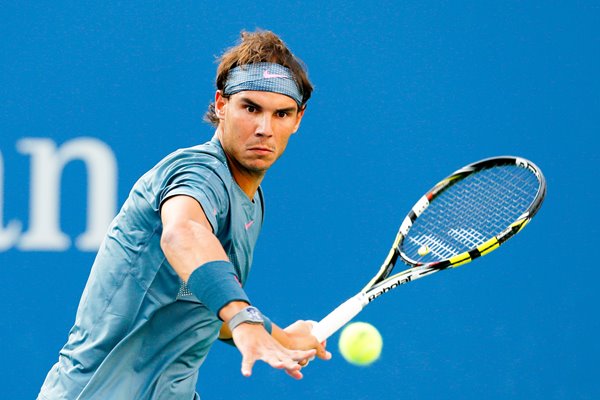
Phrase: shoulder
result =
(197, 171)
(209, 155)
(207, 161)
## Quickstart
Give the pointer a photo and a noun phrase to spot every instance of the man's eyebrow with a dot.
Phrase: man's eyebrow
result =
(288, 109)
(249, 102)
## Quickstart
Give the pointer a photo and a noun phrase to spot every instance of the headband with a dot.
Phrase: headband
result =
(264, 77)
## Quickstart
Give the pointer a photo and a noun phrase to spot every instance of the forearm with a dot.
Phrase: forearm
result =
(199, 259)
(188, 245)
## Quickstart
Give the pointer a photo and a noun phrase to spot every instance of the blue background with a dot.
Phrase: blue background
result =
(406, 92)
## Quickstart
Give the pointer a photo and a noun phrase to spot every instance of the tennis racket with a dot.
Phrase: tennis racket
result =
(465, 216)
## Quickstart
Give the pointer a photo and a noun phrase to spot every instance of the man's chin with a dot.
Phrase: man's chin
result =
(259, 165)
(254, 168)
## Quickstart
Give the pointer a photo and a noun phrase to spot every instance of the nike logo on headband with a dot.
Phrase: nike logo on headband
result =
(268, 75)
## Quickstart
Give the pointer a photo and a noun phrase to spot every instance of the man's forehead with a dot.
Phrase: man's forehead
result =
(265, 99)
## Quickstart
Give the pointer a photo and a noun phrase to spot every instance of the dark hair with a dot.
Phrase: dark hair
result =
(255, 47)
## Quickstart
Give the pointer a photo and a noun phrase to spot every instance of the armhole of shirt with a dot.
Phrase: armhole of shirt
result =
(210, 217)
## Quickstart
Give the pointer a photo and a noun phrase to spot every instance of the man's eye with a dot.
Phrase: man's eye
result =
(282, 114)
(250, 109)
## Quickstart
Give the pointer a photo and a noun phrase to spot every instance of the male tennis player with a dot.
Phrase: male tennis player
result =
(168, 278)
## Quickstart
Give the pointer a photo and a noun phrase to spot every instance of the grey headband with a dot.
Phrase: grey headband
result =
(264, 77)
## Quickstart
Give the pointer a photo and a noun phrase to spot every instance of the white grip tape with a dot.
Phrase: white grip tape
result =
(338, 317)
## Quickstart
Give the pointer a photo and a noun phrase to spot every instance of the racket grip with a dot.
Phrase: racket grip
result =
(338, 317)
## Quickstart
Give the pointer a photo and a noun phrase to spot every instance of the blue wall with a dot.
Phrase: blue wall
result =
(406, 92)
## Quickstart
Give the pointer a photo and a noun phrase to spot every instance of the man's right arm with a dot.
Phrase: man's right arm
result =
(187, 239)
(189, 243)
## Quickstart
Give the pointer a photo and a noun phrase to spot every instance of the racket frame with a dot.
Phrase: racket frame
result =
(382, 282)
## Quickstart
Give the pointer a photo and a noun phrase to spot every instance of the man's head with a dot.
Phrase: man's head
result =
(244, 61)
(260, 100)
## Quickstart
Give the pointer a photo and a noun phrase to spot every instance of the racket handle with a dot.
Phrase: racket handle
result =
(339, 317)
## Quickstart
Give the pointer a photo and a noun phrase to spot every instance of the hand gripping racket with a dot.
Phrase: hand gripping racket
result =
(465, 216)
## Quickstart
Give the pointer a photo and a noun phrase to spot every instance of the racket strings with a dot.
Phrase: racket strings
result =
(470, 212)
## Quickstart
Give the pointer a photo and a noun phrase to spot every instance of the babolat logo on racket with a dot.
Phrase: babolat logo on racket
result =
(387, 288)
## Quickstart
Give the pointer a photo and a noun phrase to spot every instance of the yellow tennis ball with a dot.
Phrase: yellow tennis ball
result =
(360, 343)
(423, 250)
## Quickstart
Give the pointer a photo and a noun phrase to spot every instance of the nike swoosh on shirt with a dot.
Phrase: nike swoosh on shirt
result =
(268, 75)
(248, 224)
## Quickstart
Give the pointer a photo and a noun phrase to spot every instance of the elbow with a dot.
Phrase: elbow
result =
(188, 244)
(176, 244)
(173, 238)
(167, 239)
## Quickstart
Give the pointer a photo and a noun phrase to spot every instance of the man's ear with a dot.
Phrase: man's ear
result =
(299, 118)
(220, 104)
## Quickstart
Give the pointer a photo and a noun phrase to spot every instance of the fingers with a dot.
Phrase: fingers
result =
(295, 374)
(256, 344)
(279, 358)
(322, 353)
(301, 354)
(247, 364)
(299, 358)
(290, 360)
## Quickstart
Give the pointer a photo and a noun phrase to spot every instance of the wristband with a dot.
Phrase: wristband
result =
(268, 328)
(268, 324)
(216, 284)
(265, 321)
(249, 315)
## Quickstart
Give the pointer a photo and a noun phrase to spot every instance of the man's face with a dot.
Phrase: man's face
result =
(255, 128)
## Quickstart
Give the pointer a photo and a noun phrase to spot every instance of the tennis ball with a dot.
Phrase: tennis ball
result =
(423, 250)
(360, 343)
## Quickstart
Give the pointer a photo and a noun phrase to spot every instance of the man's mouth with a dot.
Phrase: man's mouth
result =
(261, 149)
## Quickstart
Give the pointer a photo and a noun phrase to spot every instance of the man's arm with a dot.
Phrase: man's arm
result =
(189, 243)
(187, 238)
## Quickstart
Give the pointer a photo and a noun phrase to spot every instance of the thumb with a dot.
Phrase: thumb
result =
(247, 364)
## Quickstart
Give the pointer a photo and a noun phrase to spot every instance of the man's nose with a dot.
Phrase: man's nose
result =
(265, 126)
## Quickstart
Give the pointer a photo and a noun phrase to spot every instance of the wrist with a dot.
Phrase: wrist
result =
(216, 285)
(237, 313)
(247, 315)
(231, 309)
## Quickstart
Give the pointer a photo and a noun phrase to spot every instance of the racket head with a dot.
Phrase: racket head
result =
(471, 212)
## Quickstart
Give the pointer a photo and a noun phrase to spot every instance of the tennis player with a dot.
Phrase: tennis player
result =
(168, 278)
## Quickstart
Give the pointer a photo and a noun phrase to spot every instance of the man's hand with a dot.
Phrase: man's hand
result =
(300, 337)
(255, 343)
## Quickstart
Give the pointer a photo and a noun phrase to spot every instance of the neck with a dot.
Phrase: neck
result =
(248, 181)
